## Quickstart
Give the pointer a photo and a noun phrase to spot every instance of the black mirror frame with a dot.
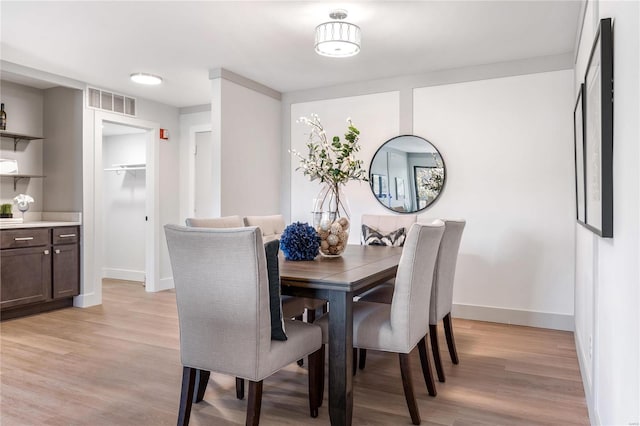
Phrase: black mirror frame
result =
(444, 183)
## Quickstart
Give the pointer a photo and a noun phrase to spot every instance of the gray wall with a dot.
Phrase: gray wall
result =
(62, 150)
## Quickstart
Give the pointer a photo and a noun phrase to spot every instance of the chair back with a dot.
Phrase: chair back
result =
(386, 223)
(414, 279)
(442, 292)
(222, 293)
(271, 226)
(215, 222)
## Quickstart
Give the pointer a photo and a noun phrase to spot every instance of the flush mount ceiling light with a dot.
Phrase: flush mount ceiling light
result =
(145, 78)
(337, 38)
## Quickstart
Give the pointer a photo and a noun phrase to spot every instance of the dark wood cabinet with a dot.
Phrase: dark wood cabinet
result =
(39, 269)
(66, 271)
(26, 276)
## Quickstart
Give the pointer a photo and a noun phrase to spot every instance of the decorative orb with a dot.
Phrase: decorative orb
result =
(333, 240)
(344, 222)
(336, 228)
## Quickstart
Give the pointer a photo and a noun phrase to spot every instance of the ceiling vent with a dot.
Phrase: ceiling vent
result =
(112, 102)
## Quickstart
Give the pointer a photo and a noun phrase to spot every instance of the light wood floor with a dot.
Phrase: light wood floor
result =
(119, 364)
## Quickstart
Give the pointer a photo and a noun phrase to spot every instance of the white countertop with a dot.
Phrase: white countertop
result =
(36, 224)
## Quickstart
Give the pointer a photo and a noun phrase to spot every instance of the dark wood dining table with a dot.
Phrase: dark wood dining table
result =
(338, 280)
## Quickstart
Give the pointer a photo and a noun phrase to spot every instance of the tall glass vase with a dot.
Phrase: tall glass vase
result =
(331, 219)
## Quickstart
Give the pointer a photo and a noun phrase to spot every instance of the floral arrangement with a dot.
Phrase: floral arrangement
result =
(332, 163)
(299, 241)
(433, 185)
(23, 201)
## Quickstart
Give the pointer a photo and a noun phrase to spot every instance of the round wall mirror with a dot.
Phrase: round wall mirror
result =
(407, 174)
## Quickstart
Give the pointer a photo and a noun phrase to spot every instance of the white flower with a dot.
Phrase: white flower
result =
(23, 199)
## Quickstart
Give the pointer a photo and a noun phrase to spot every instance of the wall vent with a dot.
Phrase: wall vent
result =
(113, 102)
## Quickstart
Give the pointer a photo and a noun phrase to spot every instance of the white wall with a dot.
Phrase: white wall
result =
(607, 275)
(376, 116)
(507, 145)
(24, 107)
(124, 208)
(247, 139)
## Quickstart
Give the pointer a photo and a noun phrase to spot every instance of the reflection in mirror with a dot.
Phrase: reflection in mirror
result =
(407, 174)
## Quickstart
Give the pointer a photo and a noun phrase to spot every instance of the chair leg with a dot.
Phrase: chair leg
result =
(301, 360)
(239, 388)
(426, 367)
(405, 371)
(316, 368)
(451, 343)
(202, 379)
(435, 349)
(254, 403)
(354, 364)
(363, 359)
(311, 315)
(321, 377)
(186, 395)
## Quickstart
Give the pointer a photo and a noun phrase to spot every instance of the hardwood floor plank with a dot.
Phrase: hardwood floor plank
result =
(119, 364)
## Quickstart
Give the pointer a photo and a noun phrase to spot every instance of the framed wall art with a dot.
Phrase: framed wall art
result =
(578, 138)
(598, 133)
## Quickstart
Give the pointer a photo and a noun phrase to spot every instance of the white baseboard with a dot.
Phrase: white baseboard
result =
(514, 316)
(165, 284)
(588, 393)
(123, 274)
(87, 300)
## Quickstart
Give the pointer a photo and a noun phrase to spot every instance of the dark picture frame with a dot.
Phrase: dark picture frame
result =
(578, 139)
(598, 133)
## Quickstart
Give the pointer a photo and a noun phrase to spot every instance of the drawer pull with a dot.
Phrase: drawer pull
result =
(57, 251)
(66, 235)
(23, 238)
(46, 252)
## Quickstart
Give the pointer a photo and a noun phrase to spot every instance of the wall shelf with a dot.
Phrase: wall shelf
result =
(126, 167)
(17, 137)
(17, 176)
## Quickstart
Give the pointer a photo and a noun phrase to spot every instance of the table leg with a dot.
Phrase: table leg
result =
(340, 358)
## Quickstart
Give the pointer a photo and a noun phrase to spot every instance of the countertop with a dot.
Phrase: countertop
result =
(37, 224)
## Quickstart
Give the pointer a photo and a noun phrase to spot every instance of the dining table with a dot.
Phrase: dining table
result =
(337, 280)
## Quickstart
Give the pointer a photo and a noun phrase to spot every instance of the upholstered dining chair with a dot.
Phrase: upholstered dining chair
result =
(222, 295)
(399, 327)
(381, 229)
(215, 222)
(441, 293)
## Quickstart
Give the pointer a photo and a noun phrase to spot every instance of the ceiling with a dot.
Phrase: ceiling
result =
(271, 42)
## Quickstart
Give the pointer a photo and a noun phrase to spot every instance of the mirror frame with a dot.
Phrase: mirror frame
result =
(417, 211)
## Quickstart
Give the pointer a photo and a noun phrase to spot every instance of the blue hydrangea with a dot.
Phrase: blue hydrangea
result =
(299, 241)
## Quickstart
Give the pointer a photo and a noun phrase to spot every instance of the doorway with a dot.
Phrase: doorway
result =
(124, 197)
(96, 254)
(203, 185)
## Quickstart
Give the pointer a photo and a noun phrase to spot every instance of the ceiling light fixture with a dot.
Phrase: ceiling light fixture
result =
(337, 38)
(145, 78)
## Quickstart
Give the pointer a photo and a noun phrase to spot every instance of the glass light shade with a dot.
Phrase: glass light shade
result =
(337, 39)
(144, 78)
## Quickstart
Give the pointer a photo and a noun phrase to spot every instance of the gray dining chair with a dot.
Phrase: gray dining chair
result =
(222, 294)
(441, 294)
(400, 326)
(384, 224)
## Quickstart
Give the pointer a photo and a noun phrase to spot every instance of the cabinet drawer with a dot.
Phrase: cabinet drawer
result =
(66, 235)
(18, 238)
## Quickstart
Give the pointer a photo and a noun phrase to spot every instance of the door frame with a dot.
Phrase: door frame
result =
(191, 166)
(152, 205)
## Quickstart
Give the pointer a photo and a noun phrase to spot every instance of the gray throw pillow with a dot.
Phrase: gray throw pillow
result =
(275, 304)
(372, 237)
